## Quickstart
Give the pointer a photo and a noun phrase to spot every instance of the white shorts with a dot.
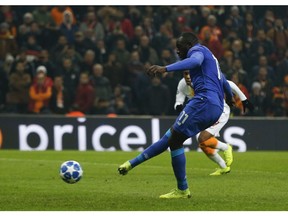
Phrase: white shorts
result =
(215, 129)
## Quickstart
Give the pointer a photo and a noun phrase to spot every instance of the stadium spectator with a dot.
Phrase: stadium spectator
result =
(166, 56)
(204, 13)
(58, 48)
(44, 59)
(28, 62)
(278, 102)
(261, 40)
(181, 26)
(6, 66)
(236, 18)
(226, 62)
(47, 26)
(70, 52)
(70, 76)
(122, 100)
(263, 62)
(157, 98)
(88, 61)
(18, 93)
(47, 81)
(121, 52)
(135, 41)
(32, 47)
(57, 14)
(279, 35)
(7, 13)
(60, 101)
(92, 28)
(183, 12)
(136, 78)
(43, 17)
(114, 71)
(103, 91)
(161, 39)
(83, 44)
(146, 52)
(249, 30)
(237, 48)
(25, 27)
(67, 27)
(259, 100)
(134, 15)
(40, 93)
(8, 43)
(212, 43)
(237, 67)
(173, 48)
(116, 35)
(103, 55)
(211, 27)
(84, 97)
(107, 13)
(266, 86)
(125, 24)
(148, 27)
(281, 68)
(266, 22)
(36, 32)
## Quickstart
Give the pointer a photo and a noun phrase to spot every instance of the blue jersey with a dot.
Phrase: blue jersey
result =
(205, 108)
(205, 73)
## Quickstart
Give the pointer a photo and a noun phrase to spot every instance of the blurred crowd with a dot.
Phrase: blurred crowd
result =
(92, 59)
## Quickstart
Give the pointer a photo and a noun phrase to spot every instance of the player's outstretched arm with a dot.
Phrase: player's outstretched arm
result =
(195, 60)
(228, 92)
(246, 103)
(156, 69)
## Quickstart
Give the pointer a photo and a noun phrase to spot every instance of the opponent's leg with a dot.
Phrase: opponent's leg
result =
(214, 156)
(206, 139)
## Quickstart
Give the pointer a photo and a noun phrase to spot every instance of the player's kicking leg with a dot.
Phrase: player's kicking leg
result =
(150, 152)
(124, 168)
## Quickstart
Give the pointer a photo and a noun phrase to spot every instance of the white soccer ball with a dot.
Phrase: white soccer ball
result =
(71, 171)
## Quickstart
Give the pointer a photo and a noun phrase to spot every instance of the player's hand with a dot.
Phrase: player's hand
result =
(156, 70)
(247, 104)
(179, 108)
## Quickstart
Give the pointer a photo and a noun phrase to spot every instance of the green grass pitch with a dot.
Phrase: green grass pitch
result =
(30, 181)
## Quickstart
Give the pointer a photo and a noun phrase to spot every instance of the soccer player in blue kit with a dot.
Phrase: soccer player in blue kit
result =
(201, 112)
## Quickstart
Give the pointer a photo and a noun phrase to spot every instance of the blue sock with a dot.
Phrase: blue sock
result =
(179, 167)
(153, 150)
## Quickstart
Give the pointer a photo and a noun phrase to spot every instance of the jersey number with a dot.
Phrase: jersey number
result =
(217, 66)
(182, 118)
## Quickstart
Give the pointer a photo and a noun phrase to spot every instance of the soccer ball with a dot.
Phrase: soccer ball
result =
(71, 171)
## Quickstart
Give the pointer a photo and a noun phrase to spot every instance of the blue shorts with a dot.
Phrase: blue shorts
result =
(199, 114)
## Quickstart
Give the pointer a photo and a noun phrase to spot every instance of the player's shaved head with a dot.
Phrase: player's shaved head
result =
(189, 38)
(185, 42)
